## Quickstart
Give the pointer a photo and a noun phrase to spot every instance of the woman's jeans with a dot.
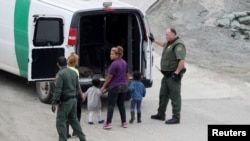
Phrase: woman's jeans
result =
(117, 95)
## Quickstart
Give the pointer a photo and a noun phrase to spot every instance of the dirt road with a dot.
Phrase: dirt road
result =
(25, 118)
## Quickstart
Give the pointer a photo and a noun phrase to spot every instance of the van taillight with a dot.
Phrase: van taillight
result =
(72, 36)
(109, 9)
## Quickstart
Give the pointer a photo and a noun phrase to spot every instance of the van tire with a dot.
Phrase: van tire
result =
(44, 91)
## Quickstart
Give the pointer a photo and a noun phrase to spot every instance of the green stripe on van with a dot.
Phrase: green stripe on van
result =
(21, 35)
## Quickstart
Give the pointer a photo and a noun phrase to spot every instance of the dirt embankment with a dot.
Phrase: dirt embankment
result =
(208, 46)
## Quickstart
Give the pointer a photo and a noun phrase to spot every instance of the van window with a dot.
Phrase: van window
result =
(48, 32)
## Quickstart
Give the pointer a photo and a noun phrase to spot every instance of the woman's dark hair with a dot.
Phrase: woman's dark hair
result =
(173, 31)
(96, 82)
(62, 61)
(136, 75)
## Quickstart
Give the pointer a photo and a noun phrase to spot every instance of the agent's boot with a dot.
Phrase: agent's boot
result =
(68, 134)
(132, 117)
(139, 117)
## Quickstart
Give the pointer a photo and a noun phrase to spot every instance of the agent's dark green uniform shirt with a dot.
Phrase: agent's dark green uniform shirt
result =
(171, 55)
(66, 83)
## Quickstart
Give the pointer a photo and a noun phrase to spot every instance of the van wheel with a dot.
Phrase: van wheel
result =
(44, 91)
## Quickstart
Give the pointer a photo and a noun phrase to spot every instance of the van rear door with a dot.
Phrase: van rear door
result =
(47, 47)
(148, 56)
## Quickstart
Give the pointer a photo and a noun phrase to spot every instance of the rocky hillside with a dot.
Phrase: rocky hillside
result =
(208, 45)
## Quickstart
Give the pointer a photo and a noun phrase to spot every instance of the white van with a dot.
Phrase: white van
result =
(34, 33)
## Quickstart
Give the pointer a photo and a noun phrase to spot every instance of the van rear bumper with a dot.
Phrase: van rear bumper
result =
(85, 85)
(147, 83)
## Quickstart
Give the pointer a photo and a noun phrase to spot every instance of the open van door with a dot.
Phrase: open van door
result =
(148, 56)
(148, 50)
(47, 47)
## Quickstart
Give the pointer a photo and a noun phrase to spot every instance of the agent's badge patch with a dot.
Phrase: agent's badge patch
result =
(179, 49)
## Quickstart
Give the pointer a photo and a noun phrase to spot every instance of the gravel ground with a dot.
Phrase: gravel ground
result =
(208, 46)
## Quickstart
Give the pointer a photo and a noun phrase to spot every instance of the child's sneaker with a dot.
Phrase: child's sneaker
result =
(124, 125)
(131, 120)
(90, 122)
(107, 125)
(101, 121)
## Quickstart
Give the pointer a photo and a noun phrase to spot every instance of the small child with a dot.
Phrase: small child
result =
(93, 95)
(138, 91)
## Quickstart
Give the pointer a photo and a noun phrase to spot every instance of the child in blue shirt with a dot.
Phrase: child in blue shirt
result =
(138, 91)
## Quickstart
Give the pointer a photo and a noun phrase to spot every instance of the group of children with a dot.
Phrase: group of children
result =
(93, 95)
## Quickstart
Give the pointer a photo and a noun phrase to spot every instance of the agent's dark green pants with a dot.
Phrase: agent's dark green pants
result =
(170, 89)
(67, 111)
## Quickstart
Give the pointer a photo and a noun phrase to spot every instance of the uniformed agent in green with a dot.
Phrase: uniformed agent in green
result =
(64, 96)
(172, 68)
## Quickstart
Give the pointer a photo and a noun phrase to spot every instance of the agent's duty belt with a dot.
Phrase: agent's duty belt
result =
(65, 98)
(167, 73)
(170, 73)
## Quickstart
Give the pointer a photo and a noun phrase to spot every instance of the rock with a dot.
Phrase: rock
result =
(238, 23)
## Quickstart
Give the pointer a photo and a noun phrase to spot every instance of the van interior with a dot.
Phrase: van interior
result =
(99, 33)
